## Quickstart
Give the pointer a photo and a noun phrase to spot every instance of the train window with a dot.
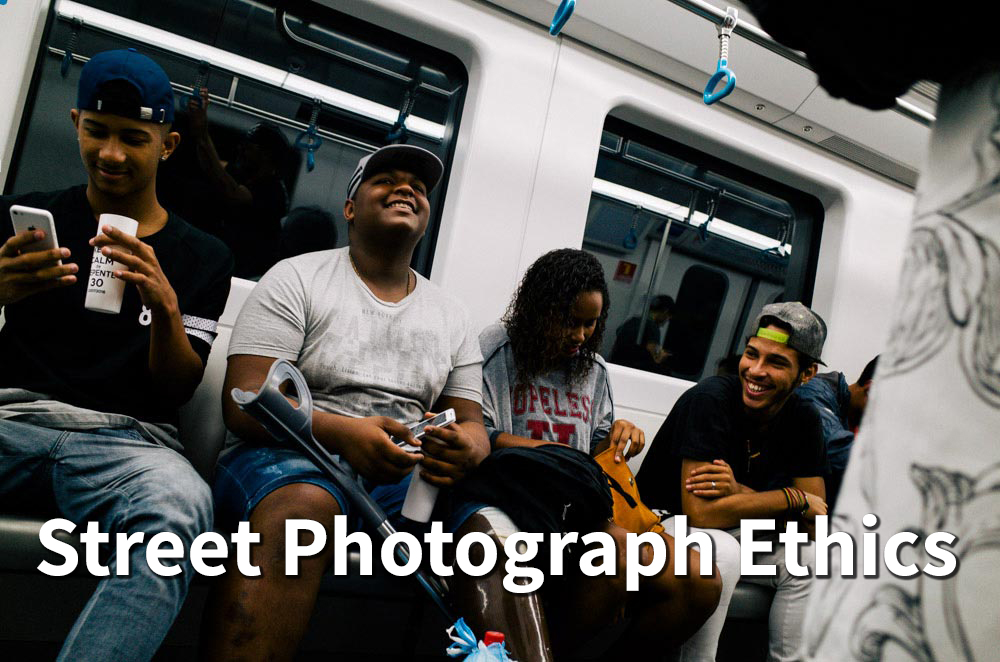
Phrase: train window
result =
(692, 246)
(286, 65)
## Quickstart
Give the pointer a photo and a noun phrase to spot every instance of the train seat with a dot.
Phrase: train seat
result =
(201, 428)
(203, 434)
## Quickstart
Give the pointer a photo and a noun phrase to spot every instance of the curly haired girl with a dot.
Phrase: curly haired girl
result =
(544, 382)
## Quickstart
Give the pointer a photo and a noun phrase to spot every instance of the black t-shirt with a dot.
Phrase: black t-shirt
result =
(51, 344)
(708, 422)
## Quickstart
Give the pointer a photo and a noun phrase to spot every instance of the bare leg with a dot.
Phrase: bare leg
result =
(580, 606)
(264, 618)
(669, 609)
(486, 605)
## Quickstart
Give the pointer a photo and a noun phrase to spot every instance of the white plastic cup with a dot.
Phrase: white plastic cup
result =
(420, 498)
(104, 291)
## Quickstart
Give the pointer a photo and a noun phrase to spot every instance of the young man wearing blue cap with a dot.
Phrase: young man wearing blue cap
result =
(88, 400)
(379, 346)
(746, 446)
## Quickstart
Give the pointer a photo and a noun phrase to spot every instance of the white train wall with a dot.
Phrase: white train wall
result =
(526, 152)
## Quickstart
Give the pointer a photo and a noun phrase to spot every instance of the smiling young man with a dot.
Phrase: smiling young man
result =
(747, 447)
(88, 400)
(379, 346)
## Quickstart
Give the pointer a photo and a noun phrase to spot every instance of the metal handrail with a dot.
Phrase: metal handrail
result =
(247, 109)
(284, 29)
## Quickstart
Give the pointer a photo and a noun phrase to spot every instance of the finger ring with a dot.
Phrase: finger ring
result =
(713, 484)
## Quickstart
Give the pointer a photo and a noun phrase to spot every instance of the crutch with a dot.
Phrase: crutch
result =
(292, 426)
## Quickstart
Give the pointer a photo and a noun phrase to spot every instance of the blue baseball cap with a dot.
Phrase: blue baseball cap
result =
(155, 98)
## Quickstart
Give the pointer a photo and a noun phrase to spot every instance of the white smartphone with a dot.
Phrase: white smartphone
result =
(29, 219)
(440, 420)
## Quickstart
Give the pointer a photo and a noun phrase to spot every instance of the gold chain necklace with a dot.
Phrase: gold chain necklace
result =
(358, 273)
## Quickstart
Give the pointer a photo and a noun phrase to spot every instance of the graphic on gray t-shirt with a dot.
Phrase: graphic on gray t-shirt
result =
(361, 356)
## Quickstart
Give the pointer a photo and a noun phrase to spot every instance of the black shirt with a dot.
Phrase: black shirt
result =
(52, 345)
(708, 422)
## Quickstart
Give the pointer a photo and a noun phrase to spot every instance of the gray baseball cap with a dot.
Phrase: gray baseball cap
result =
(808, 330)
(410, 158)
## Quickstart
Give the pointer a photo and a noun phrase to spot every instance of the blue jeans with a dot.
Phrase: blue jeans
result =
(247, 473)
(127, 485)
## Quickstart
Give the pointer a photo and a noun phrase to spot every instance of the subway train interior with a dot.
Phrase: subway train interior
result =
(597, 138)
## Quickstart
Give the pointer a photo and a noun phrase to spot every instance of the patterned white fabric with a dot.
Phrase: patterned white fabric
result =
(200, 323)
(199, 327)
(927, 457)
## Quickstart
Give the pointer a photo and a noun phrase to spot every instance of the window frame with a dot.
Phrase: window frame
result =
(423, 256)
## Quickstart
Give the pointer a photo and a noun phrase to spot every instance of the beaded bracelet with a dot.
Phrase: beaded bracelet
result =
(804, 501)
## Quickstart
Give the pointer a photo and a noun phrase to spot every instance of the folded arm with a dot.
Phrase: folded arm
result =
(727, 511)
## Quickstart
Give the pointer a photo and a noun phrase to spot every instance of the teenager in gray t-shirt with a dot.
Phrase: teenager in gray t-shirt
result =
(360, 354)
(379, 347)
(543, 382)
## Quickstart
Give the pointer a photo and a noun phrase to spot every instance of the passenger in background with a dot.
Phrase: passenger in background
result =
(250, 196)
(649, 353)
(840, 406)
(88, 400)
(747, 447)
(307, 230)
(379, 346)
(543, 382)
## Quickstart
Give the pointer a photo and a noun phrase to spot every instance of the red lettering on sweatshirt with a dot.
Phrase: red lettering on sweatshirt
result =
(574, 405)
(555, 400)
(543, 393)
(518, 400)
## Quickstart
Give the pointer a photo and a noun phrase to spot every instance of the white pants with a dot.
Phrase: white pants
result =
(791, 593)
(787, 609)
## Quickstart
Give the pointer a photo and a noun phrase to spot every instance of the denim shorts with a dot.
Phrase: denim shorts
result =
(247, 473)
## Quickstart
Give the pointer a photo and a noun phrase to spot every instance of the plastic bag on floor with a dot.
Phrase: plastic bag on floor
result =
(469, 649)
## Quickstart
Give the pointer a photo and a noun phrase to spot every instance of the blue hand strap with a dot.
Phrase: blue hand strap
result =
(199, 82)
(722, 72)
(74, 38)
(309, 140)
(562, 15)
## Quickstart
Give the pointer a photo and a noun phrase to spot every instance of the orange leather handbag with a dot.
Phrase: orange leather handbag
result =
(630, 512)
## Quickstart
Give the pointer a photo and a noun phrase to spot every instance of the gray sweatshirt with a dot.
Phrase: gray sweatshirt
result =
(547, 408)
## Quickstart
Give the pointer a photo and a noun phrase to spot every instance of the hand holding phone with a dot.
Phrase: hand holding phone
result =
(29, 265)
(418, 429)
(30, 219)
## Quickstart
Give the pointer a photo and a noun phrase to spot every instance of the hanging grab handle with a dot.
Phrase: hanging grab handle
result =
(399, 132)
(631, 239)
(199, 82)
(309, 139)
(562, 15)
(74, 38)
(722, 71)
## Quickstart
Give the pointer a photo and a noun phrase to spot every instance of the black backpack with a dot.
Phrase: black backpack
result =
(546, 489)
